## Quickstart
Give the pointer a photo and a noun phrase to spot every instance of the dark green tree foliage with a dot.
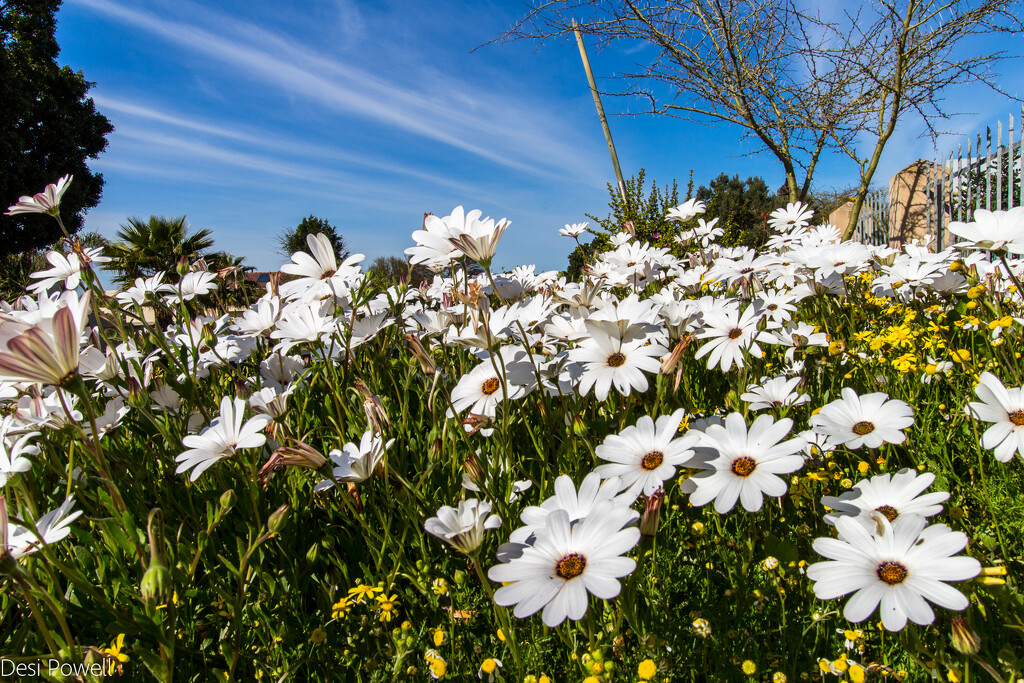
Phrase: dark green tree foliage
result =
(396, 269)
(294, 239)
(16, 269)
(49, 126)
(742, 208)
(143, 248)
(645, 209)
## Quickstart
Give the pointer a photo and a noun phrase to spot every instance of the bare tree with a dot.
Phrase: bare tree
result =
(798, 82)
(909, 54)
(765, 66)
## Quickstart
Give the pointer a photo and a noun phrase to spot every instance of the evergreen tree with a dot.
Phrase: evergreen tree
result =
(49, 126)
(294, 239)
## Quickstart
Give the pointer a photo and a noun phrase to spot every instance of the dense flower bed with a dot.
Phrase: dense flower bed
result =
(698, 463)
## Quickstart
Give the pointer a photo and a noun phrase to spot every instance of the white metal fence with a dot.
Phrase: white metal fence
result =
(988, 176)
(873, 223)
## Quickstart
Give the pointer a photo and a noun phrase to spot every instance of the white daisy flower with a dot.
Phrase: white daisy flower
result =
(47, 201)
(731, 334)
(51, 528)
(225, 435)
(463, 529)
(482, 246)
(279, 371)
(777, 392)
(480, 390)
(686, 210)
(270, 401)
(574, 230)
(434, 247)
(304, 322)
(992, 230)
(144, 288)
(260, 318)
(1004, 408)
(615, 354)
(567, 563)
(745, 465)
(315, 274)
(12, 455)
(356, 463)
(869, 420)
(197, 283)
(67, 270)
(48, 351)
(646, 455)
(592, 493)
(896, 569)
(794, 217)
(891, 495)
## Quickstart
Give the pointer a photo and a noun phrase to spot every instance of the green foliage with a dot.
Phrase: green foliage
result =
(15, 269)
(49, 126)
(742, 208)
(293, 240)
(644, 209)
(143, 248)
(396, 269)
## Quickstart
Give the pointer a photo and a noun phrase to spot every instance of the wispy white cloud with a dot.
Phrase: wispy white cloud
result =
(260, 139)
(493, 129)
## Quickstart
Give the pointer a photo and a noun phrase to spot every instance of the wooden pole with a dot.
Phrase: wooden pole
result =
(600, 112)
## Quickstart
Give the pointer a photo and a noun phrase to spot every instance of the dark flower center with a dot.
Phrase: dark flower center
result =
(744, 466)
(652, 460)
(327, 274)
(1017, 418)
(570, 566)
(891, 573)
(863, 427)
(490, 386)
(735, 333)
(889, 511)
(616, 360)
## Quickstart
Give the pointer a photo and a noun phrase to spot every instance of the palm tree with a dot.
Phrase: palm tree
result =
(143, 248)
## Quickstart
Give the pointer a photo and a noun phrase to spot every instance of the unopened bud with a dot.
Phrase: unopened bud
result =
(652, 513)
(227, 500)
(579, 425)
(156, 582)
(182, 266)
(427, 364)
(278, 518)
(963, 637)
(472, 467)
(136, 394)
(275, 283)
(670, 360)
(209, 336)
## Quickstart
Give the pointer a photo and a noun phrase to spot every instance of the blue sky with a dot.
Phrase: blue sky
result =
(247, 116)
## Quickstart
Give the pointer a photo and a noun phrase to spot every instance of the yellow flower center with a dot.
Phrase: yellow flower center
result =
(744, 466)
(570, 566)
(889, 511)
(863, 427)
(892, 573)
(1017, 418)
(490, 386)
(616, 360)
(652, 460)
